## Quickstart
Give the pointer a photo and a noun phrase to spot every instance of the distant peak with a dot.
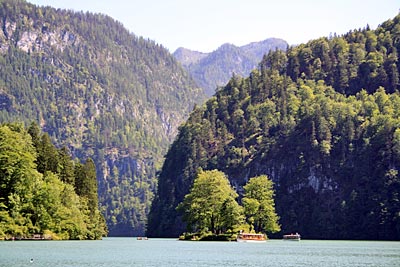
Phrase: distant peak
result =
(187, 56)
(271, 40)
(227, 45)
(182, 49)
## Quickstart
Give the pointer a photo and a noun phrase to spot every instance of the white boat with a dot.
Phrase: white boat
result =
(251, 237)
(292, 237)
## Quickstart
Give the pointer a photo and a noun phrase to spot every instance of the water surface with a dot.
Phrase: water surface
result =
(124, 252)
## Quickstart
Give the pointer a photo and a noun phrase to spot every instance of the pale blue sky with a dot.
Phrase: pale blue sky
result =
(204, 25)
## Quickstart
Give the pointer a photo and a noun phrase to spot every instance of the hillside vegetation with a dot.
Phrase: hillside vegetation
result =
(322, 120)
(99, 90)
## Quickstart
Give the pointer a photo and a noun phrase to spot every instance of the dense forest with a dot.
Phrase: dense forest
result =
(214, 69)
(321, 119)
(99, 90)
(44, 193)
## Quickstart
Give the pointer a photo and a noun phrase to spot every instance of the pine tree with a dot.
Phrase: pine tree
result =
(48, 155)
(66, 166)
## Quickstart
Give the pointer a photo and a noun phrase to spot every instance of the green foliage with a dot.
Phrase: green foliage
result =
(321, 121)
(37, 201)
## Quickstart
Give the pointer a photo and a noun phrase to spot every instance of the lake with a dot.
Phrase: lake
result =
(123, 252)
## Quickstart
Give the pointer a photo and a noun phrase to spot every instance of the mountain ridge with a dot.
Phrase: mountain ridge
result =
(214, 69)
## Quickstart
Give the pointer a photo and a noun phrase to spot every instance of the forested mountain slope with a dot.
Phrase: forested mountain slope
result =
(322, 120)
(214, 69)
(99, 90)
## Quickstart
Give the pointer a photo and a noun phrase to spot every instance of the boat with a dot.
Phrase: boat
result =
(251, 237)
(292, 237)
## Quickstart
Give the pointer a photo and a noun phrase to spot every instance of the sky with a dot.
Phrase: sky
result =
(204, 25)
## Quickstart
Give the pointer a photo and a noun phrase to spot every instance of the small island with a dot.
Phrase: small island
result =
(212, 213)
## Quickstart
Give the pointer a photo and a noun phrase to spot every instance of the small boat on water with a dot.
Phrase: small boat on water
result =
(292, 237)
(251, 237)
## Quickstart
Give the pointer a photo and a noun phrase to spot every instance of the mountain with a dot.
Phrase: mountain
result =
(214, 69)
(187, 56)
(322, 120)
(99, 90)
(259, 49)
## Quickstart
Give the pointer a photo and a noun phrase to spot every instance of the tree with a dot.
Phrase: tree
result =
(211, 205)
(86, 183)
(231, 215)
(66, 166)
(34, 132)
(47, 155)
(259, 206)
(17, 167)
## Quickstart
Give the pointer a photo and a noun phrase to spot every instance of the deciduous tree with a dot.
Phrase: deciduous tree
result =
(259, 205)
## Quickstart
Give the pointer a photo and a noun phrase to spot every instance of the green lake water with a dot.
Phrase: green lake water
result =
(123, 252)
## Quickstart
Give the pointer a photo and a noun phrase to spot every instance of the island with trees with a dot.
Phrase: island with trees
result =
(212, 212)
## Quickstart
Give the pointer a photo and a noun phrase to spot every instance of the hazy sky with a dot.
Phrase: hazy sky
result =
(204, 25)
